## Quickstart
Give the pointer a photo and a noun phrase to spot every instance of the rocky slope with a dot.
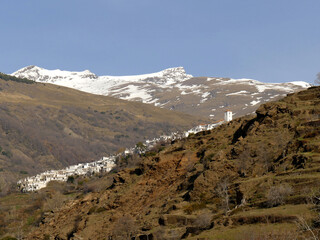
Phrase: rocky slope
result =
(44, 126)
(256, 177)
(172, 89)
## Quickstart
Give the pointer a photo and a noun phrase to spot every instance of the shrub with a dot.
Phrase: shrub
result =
(70, 179)
(194, 207)
(278, 194)
(150, 154)
(203, 220)
(140, 146)
(124, 228)
(7, 153)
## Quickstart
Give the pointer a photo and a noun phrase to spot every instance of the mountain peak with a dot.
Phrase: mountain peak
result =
(172, 88)
(27, 69)
(43, 75)
(166, 76)
(175, 69)
(178, 72)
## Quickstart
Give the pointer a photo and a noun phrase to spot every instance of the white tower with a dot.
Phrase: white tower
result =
(228, 116)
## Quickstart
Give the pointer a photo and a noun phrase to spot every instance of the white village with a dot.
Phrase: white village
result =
(106, 164)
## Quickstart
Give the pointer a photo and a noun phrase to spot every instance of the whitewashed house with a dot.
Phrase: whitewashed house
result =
(228, 115)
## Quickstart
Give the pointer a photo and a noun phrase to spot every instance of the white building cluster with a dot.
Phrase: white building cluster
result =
(105, 164)
(41, 180)
(200, 128)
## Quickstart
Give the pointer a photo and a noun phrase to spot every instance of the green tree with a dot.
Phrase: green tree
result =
(140, 146)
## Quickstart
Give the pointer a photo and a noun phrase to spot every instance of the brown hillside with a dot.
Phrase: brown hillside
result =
(256, 177)
(43, 126)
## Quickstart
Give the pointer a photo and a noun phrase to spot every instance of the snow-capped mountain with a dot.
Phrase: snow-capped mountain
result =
(172, 88)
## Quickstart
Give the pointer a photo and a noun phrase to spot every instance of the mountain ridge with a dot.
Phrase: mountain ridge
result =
(40, 74)
(173, 89)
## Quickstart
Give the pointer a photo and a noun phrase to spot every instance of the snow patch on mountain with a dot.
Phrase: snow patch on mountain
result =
(261, 87)
(254, 102)
(132, 92)
(238, 93)
(168, 76)
(171, 88)
(124, 87)
(301, 84)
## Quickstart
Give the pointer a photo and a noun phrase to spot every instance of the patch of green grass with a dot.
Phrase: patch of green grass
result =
(247, 231)
(300, 177)
(30, 220)
(292, 210)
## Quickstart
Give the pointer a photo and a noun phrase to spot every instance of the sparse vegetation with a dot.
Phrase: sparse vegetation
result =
(278, 194)
(124, 228)
(238, 181)
(15, 79)
(192, 207)
(203, 220)
(222, 190)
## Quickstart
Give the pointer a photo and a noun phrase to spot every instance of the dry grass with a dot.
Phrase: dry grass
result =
(44, 126)
(167, 185)
(251, 232)
(304, 210)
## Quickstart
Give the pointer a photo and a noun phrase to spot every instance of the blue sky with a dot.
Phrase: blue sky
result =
(267, 40)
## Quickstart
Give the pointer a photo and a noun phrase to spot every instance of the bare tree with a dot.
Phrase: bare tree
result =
(124, 228)
(222, 190)
(244, 162)
(265, 157)
(314, 199)
(278, 194)
(304, 226)
(317, 81)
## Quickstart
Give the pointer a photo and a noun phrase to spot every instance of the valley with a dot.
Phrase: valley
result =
(256, 176)
(159, 120)
(45, 127)
(105, 164)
